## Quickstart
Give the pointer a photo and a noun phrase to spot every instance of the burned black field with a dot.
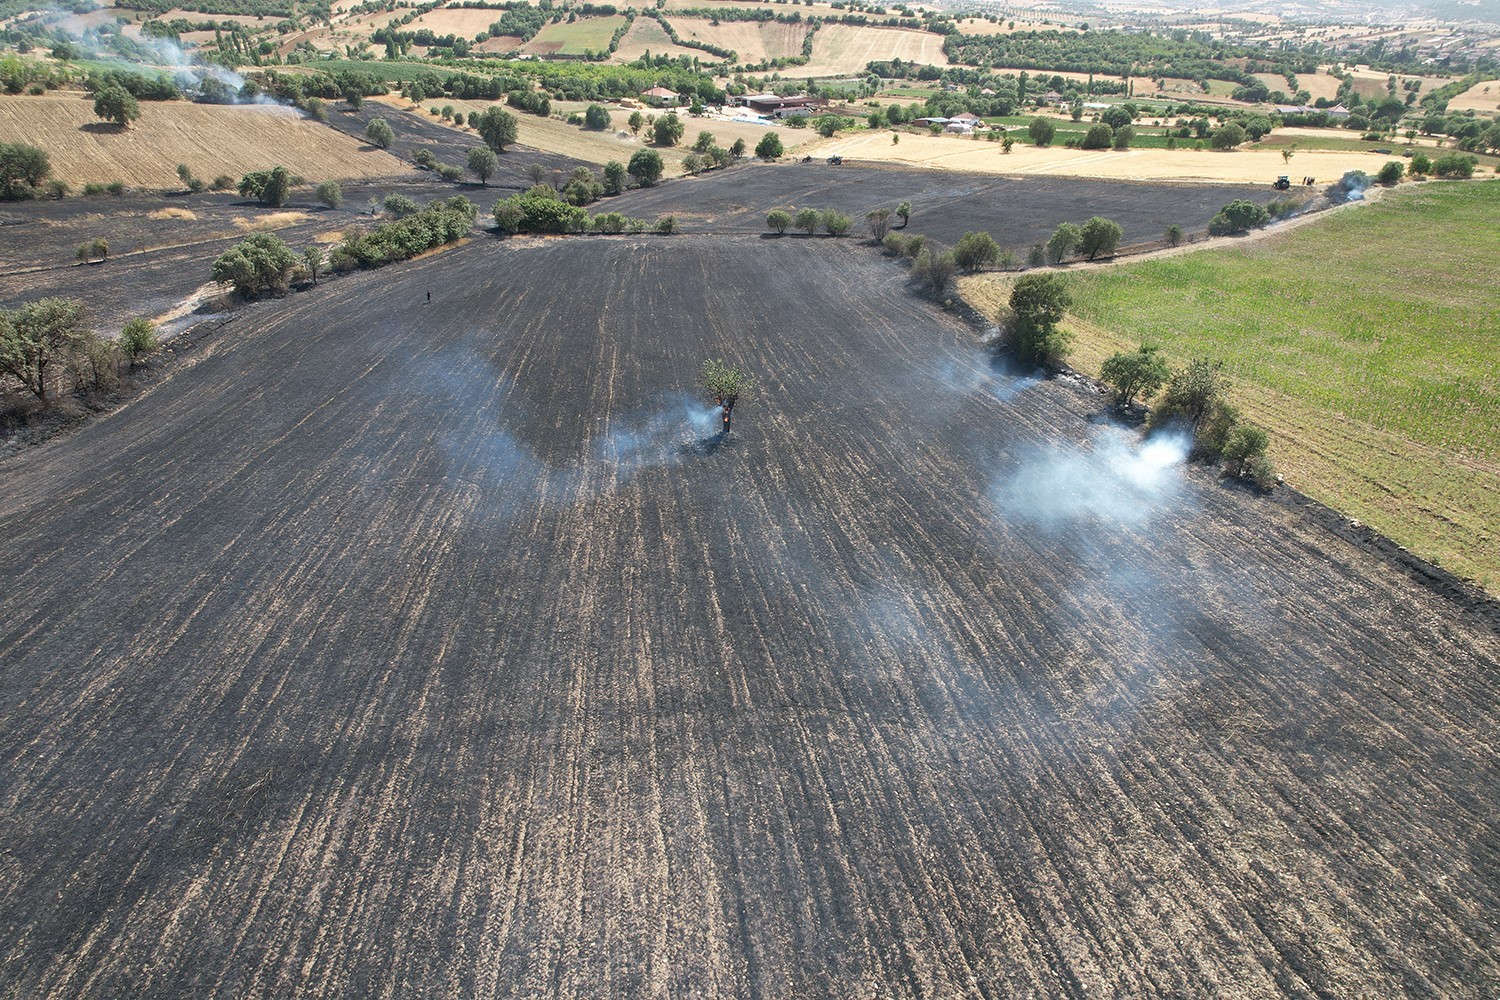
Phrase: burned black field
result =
(397, 650)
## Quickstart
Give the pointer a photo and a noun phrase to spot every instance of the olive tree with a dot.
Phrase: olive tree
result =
(769, 147)
(903, 212)
(1065, 240)
(596, 117)
(1038, 303)
(1139, 373)
(379, 133)
(646, 167)
(807, 220)
(483, 163)
(35, 337)
(1099, 236)
(312, 259)
(116, 105)
(667, 130)
(614, 177)
(879, 222)
(137, 339)
(976, 250)
(260, 263)
(331, 194)
(777, 220)
(497, 127)
(1041, 131)
(727, 384)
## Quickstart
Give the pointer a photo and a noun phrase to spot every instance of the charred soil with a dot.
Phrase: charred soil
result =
(395, 649)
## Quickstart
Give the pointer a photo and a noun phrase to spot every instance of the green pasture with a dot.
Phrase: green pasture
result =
(1373, 334)
(580, 36)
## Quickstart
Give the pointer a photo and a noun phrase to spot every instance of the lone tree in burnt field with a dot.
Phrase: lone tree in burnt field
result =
(727, 384)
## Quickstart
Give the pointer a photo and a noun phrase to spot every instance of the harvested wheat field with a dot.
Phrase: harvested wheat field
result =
(1242, 166)
(465, 22)
(1483, 97)
(210, 139)
(840, 49)
(752, 41)
(396, 650)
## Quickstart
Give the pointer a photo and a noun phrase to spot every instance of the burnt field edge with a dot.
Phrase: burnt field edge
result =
(185, 347)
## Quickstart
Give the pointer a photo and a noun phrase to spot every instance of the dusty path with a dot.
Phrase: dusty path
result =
(398, 650)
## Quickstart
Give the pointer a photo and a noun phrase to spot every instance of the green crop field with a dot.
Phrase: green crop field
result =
(577, 37)
(1368, 342)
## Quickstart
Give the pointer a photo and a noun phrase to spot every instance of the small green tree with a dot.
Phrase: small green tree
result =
(137, 339)
(116, 105)
(1191, 392)
(89, 249)
(400, 206)
(1099, 236)
(667, 130)
(1124, 135)
(737, 149)
(1041, 131)
(935, 267)
(596, 117)
(666, 225)
(331, 194)
(312, 259)
(777, 220)
(726, 385)
(807, 220)
(836, 223)
(879, 222)
(269, 187)
(976, 250)
(483, 163)
(693, 164)
(1454, 165)
(1064, 241)
(1244, 444)
(1140, 373)
(769, 147)
(35, 337)
(614, 177)
(1097, 137)
(903, 212)
(1238, 216)
(646, 167)
(635, 121)
(704, 142)
(1174, 235)
(379, 133)
(1038, 303)
(1390, 175)
(497, 127)
(1421, 164)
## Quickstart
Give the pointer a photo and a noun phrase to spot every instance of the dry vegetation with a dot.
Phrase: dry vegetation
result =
(842, 49)
(1482, 97)
(1248, 166)
(752, 41)
(210, 139)
(646, 35)
(464, 22)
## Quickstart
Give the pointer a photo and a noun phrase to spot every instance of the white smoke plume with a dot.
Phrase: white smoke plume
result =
(1120, 480)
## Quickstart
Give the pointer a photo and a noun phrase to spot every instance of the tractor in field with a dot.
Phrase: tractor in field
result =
(1282, 183)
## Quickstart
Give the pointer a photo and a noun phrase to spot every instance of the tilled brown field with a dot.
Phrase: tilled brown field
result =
(402, 650)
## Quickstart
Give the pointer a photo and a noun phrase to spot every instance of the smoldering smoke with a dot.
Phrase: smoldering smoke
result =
(1119, 480)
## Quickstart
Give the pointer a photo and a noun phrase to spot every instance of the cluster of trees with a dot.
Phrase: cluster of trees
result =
(1119, 54)
(441, 221)
(1195, 398)
(46, 346)
(809, 221)
(262, 263)
(1239, 216)
(542, 210)
(1095, 237)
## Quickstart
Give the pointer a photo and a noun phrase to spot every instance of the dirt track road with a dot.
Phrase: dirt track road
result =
(394, 650)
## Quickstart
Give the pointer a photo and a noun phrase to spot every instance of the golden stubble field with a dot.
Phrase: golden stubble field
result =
(210, 139)
(1249, 166)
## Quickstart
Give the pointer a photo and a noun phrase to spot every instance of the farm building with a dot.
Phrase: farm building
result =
(772, 104)
(660, 97)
